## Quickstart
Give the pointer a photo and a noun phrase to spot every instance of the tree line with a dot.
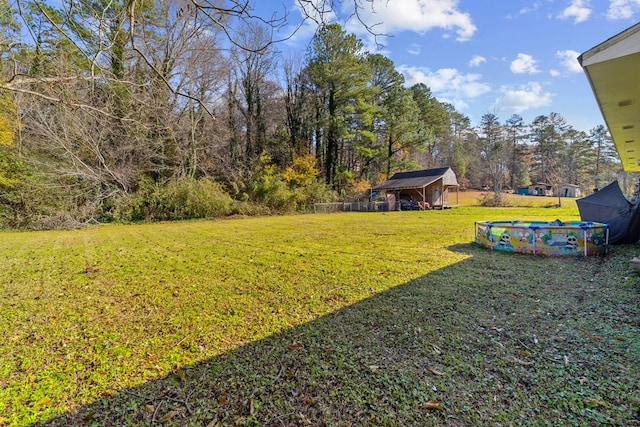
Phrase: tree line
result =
(154, 109)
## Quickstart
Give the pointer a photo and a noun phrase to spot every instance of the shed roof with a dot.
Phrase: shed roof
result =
(570, 185)
(419, 179)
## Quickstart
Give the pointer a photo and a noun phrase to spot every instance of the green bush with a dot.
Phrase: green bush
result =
(144, 204)
(269, 190)
(245, 208)
(183, 198)
(319, 193)
(189, 198)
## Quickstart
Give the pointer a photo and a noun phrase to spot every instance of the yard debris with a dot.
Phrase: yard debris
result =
(435, 348)
(433, 405)
(305, 420)
(634, 264)
(434, 372)
(594, 402)
(42, 402)
(169, 415)
(522, 362)
(296, 345)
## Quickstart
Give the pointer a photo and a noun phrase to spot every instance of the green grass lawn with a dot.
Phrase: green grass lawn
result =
(342, 319)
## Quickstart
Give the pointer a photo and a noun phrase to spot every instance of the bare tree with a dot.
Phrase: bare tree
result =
(253, 66)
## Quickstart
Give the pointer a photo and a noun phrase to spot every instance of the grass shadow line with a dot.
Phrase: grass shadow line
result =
(459, 346)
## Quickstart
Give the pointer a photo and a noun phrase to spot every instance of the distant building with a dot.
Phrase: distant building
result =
(541, 189)
(569, 190)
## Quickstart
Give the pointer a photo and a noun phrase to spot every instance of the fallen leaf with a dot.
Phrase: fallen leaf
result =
(583, 380)
(374, 368)
(593, 338)
(252, 408)
(434, 372)
(432, 405)
(169, 415)
(149, 408)
(595, 402)
(42, 401)
(523, 362)
(524, 352)
(435, 348)
(180, 374)
(88, 417)
(296, 345)
(213, 423)
(304, 419)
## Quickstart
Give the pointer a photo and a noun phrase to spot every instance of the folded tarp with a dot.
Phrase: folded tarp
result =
(611, 207)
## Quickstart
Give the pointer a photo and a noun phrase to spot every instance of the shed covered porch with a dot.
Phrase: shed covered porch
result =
(422, 189)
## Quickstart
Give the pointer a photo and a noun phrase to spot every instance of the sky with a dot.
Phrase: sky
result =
(485, 56)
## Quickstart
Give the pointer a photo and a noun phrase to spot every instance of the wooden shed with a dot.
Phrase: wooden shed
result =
(421, 189)
(569, 190)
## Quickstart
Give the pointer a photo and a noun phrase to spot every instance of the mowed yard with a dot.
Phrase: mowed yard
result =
(346, 319)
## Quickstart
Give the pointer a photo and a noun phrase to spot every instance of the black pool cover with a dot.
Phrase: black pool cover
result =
(611, 207)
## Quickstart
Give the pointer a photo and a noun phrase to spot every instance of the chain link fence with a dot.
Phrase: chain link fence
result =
(351, 207)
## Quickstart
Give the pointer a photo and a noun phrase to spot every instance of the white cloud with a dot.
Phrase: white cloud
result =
(569, 60)
(389, 16)
(622, 9)
(554, 73)
(414, 49)
(579, 11)
(517, 100)
(535, 6)
(476, 60)
(526, 10)
(446, 83)
(524, 64)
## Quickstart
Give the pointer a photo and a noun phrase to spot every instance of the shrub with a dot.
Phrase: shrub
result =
(492, 199)
(268, 189)
(183, 198)
(315, 193)
(144, 204)
(189, 198)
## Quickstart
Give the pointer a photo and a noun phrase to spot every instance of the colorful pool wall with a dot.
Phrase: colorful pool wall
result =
(544, 238)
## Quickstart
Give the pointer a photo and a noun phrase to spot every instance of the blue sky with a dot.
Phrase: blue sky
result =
(500, 56)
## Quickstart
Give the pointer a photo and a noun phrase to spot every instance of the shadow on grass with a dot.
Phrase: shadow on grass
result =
(496, 338)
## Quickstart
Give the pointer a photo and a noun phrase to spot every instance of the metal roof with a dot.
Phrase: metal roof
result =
(418, 179)
(613, 71)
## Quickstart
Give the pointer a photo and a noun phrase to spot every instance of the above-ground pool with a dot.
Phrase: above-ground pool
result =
(547, 238)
